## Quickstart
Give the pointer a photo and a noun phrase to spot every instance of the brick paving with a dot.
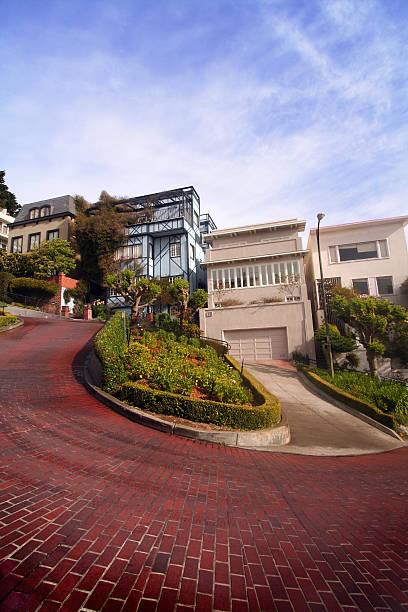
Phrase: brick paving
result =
(99, 513)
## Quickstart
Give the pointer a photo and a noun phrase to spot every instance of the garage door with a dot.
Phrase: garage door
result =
(258, 344)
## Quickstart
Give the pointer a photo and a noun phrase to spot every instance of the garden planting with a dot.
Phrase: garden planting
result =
(182, 377)
(390, 397)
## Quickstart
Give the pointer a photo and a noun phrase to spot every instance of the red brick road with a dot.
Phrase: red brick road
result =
(98, 513)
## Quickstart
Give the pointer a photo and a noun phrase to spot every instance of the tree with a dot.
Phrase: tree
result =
(374, 321)
(339, 343)
(7, 199)
(17, 264)
(98, 232)
(52, 258)
(138, 292)
(179, 290)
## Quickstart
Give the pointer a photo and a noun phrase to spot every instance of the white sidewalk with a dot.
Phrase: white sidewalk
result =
(318, 427)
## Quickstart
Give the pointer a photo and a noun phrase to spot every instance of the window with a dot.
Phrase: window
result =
(34, 213)
(360, 286)
(53, 235)
(226, 279)
(44, 211)
(239, 282)
(17, 245)
(251, 276)
(196, 220)
(384, 285)
(151, 251)
(358, 251)
(33, 241)
(175, 249)
(333, 258)
(192, 252)
(4, 229)
(129, 251)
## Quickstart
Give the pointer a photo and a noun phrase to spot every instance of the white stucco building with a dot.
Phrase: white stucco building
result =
(370, 257)
(257, 293)
(5, 221)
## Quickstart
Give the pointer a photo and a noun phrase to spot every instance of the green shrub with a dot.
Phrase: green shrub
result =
(179, 366)
(374, 397)
(197, 410)
(34, 287)
(5, 281)
(7, 319)
(339, 343)
(109, 346)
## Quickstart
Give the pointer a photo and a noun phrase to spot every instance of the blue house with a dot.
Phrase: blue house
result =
(165, 237)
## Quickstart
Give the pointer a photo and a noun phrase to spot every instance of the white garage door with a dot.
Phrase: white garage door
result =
(258, 344)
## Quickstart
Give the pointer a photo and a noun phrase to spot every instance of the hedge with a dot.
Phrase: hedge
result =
(368, 409)
(109, 346)
(34, 286)
(198, 410)
(266, 414)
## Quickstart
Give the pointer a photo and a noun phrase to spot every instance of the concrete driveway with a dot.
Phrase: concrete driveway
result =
(317, 426)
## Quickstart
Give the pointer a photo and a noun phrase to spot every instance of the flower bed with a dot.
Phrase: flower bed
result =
(183, 378)
(7, 319)
(384, 400)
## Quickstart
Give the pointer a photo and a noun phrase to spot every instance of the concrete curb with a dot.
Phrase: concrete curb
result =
(360, 415)
(10, 327)
(274, 436)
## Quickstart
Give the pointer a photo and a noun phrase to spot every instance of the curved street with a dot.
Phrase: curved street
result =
(100, 513)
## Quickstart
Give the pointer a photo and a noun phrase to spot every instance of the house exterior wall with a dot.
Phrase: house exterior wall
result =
(256, 280)
(59, 217)
(393, 263)
(168, 240)
(5, 221)
(295, 317)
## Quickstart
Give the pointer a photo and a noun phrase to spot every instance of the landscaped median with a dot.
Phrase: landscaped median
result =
(182, 378)
(9, 321)
(390, 395)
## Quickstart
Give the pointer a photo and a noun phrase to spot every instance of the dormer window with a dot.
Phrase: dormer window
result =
(45, 211)
(34, 213)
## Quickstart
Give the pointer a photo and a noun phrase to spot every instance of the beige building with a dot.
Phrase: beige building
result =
(368, 256)
(41, 221)
(5, 221)
(257, 294)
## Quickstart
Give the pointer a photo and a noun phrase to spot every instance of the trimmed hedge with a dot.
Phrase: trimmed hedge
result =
(368, 409)
(34, 286)
(262, 416)
(109, 346)
(7, 319)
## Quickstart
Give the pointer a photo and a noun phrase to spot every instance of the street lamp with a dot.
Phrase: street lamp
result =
(328, 343)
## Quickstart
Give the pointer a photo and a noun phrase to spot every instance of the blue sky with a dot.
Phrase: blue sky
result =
(271, 109)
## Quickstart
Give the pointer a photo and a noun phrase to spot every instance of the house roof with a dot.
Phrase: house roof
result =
(59, 205)
(332, 228)
(253, 229)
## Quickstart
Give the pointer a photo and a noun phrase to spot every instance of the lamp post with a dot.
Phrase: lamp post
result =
(328, 343)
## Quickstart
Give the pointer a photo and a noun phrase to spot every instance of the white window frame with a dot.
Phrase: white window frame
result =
(347, 261)
(275, 273)
(392, 284)
(175, 249)
(361, 280)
